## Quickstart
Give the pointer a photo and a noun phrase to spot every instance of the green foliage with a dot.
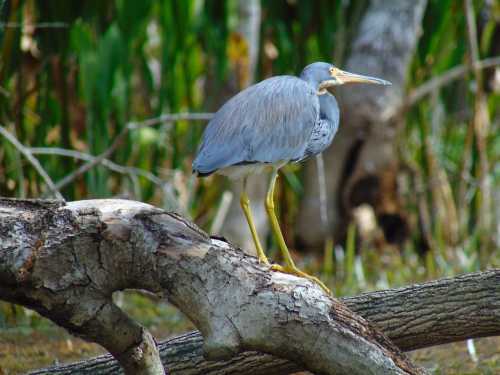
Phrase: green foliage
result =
(76, 83)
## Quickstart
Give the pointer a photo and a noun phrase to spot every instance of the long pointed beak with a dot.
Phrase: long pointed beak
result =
(346, 77)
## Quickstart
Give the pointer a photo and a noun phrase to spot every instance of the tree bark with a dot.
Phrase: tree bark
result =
(414, 317)
(65, 261)
(361, 162)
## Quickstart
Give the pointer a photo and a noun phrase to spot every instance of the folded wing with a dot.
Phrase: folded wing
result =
(268, 122)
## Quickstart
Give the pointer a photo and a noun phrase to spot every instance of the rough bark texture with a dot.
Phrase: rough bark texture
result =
(65, 261)
(360, 164)
(413, 317)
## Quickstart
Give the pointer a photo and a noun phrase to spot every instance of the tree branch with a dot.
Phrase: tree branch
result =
(414, 317)
(119, 139)
(446, 78)
(65, 261)
(165, 186)
(34, 161)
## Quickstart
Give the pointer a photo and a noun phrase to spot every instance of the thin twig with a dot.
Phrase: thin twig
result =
(451, 75)
(323, 201)
(220, 216)
(34, 161)
(118, 168)
(203, 116)
(105, 162)
(41, 25)
(323, 209)
(98, 160)
(119, 138)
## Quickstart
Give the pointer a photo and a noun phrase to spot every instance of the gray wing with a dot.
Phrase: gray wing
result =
(267, 122)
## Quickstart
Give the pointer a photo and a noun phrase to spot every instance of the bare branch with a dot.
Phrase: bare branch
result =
(34, 162)
(203, 116)
(220, 216)
(165, 186)
(416, 316)
(451, 75)
(40, 25)
(88, 166)
(119, 138)
(111, 165)
(65, 261)
(164, 247)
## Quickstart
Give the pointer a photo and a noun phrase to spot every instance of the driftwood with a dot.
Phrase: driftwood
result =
(66, 260)
(413, 317)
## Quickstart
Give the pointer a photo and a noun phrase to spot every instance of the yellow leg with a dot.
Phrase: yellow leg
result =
(245, 205)
(289, 263)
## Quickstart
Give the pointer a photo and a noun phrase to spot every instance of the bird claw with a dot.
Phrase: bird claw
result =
(278, 268)
(263, 260)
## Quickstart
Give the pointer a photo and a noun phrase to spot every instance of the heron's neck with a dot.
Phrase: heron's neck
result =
(309, 78)
(328, 107)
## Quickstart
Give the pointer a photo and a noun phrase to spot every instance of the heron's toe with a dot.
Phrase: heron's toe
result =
(299, 273)
(278, 268)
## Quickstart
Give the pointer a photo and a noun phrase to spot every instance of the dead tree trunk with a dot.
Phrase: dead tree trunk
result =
(65, 261)
(361, 164)
(413, 317)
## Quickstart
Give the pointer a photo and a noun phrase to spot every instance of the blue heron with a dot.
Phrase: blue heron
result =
(279, 120)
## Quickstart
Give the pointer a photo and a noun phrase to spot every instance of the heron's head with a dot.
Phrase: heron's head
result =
(324, 75)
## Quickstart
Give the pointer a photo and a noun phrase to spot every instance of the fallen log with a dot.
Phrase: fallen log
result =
(66, 260)
(413, 317)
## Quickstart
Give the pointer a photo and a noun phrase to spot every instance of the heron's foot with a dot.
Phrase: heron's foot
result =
(263, 259)
(295, 271)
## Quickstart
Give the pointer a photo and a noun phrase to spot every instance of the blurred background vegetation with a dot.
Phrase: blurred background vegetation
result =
(79, 78)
